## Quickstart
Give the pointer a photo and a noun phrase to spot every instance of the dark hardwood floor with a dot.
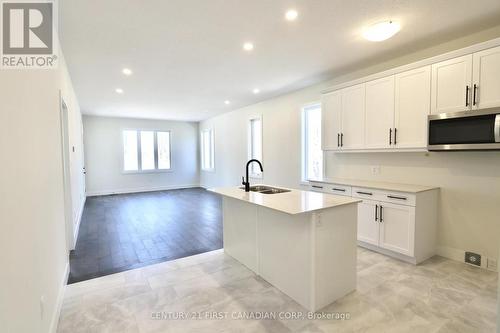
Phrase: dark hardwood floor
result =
(126, 231)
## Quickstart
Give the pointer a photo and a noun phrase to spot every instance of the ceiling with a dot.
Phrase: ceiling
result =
(187, 56)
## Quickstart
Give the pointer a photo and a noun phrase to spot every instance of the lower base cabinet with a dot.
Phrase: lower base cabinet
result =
(398, 224)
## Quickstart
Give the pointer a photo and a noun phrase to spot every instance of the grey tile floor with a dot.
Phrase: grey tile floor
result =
(437, 296)
(126, 231)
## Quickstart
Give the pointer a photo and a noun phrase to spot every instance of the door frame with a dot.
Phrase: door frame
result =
(66, 168)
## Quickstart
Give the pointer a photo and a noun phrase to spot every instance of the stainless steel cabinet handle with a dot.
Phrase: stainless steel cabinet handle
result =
(376, 211)
(395, 136)
(338, 189)
(341, 139)
(390, 136)
(338, 139)
(316, 186)
(366, 193)
(381, 214)
(394, 197)
(467, 95)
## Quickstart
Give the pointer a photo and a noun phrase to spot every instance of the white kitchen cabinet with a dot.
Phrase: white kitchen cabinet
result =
(352, 135)
(452, 85)
(379, 113)
(331, 109)
(397, 220)
(412, 106)
(397, 228)
(486, 79)
(368, 226)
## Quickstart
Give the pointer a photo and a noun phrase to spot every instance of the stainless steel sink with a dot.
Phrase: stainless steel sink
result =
(266, 189)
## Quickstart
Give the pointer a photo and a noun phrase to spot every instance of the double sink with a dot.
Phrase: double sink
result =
(266, 189)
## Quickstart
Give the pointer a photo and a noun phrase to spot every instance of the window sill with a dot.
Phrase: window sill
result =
(146, 172)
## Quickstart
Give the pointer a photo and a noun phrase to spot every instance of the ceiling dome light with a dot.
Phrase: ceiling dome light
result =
(256, 91)
(248, 46)
(119, 91)
(227, 102)
(381, 31)
(127, 71)
(291, 15)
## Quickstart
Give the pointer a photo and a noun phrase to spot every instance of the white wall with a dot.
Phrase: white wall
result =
(470, 181)
(33, 253)
(104, 156)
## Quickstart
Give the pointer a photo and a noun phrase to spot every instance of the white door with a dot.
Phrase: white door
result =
(353, 117)
(451, 85)
(397, 228)
(331, 109)
(486, 78)
(368, 227)
(412, 106)
(379, 113)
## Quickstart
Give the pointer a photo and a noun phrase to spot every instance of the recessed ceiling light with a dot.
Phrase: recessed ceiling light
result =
(248, 46)
(291, 15)
(227, 102)
(127, 71)
(381, 31)
(119, 90)
(256, 91)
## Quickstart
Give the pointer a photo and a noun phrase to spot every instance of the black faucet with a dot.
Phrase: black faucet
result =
(247, 183)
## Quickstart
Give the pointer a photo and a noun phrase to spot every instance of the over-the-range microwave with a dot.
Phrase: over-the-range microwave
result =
(467, 130)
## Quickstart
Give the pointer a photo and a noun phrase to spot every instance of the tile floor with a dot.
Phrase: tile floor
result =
(125, 231)
(439, 295)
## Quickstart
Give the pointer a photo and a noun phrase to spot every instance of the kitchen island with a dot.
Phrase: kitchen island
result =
(302, 242)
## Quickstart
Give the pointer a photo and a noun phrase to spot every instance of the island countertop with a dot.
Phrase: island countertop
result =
(293, 202)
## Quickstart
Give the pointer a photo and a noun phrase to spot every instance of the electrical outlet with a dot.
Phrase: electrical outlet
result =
(473, 258)
(376, 170)
(491, 264)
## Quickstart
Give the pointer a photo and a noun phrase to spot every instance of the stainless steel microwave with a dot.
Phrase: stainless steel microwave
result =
(468, 130)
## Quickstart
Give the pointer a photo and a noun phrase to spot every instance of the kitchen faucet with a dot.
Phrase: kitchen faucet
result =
(247, 183)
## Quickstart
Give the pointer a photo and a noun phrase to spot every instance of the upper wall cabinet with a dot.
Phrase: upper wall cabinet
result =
(379, 113)
(486, 79)
(331, 105)
(412, 106)
(451, 85)
(352, 135)
(343, 118)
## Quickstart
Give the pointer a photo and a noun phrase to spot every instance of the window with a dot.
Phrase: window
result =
(146, 150)
(255, 145)
(207, 150)
(312, 155)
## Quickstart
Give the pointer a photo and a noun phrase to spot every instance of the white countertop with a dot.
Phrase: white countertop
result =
(408, 188)
(293, 202)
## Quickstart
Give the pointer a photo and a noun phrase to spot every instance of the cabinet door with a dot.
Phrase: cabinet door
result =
(450, 80)
(487, 78)
(368, 228)
(353, 117)
(379, 112)
(413, 101)
(331, 109)
(397, 229)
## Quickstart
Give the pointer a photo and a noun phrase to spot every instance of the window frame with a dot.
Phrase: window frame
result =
(139, 151)
(250, 146)
(212, 149)
(304, 141)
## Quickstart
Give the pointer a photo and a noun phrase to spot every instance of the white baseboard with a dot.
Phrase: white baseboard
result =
(139, 189)
(59, 301)
(459, 255)
(79, 220)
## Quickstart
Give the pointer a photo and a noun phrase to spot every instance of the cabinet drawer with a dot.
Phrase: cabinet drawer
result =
(339, 189)
(401, 198)
(319, 187)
